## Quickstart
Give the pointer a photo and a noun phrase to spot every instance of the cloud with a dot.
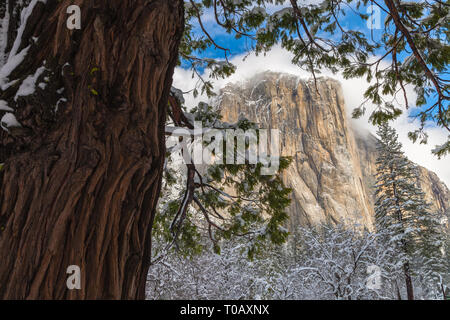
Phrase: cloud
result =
(279, 60)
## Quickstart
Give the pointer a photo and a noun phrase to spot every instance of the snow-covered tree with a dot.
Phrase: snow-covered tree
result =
(445, 278)
(209, 275)
(347, 262)
(402, 213)
(324, 262)
(342, 261)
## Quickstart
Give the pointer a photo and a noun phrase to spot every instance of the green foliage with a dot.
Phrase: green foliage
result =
(318, 39)
(442, 150)
(230, 200)
(189, 243)
(257, 207)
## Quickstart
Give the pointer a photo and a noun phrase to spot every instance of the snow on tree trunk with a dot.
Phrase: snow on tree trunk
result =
(83, 163)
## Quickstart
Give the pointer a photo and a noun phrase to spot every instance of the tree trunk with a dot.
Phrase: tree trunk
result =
(406, 266)
(82, 175)
(408, 280)
(399, 295)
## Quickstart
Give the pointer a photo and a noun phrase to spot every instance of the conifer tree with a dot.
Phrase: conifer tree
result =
(402, 213)
(445, 279)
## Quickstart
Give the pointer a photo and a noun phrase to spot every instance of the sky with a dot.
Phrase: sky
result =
(279, 60)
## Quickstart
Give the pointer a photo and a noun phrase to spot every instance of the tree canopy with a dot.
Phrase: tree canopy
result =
(409, 51)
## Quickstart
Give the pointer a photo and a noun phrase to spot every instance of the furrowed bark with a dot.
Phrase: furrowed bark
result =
(81, 177)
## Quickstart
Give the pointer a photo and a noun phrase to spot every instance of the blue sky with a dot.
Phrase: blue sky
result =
(240, 46)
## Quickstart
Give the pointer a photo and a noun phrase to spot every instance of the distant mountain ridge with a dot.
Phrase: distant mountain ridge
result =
(333, 164)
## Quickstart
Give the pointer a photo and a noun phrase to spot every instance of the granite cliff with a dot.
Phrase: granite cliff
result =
(333, 164)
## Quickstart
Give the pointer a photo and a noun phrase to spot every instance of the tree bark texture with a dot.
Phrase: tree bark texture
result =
(82, 175)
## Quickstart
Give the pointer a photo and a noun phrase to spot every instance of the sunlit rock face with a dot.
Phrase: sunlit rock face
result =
(333, 165)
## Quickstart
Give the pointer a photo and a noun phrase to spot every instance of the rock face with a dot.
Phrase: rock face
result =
(333, 165)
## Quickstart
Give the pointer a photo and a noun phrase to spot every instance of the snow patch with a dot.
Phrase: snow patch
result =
(9, 120)
(25, 14)
(61, 100)
(4, 106)
(28, 85)
(4, 35)
(10, 65)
